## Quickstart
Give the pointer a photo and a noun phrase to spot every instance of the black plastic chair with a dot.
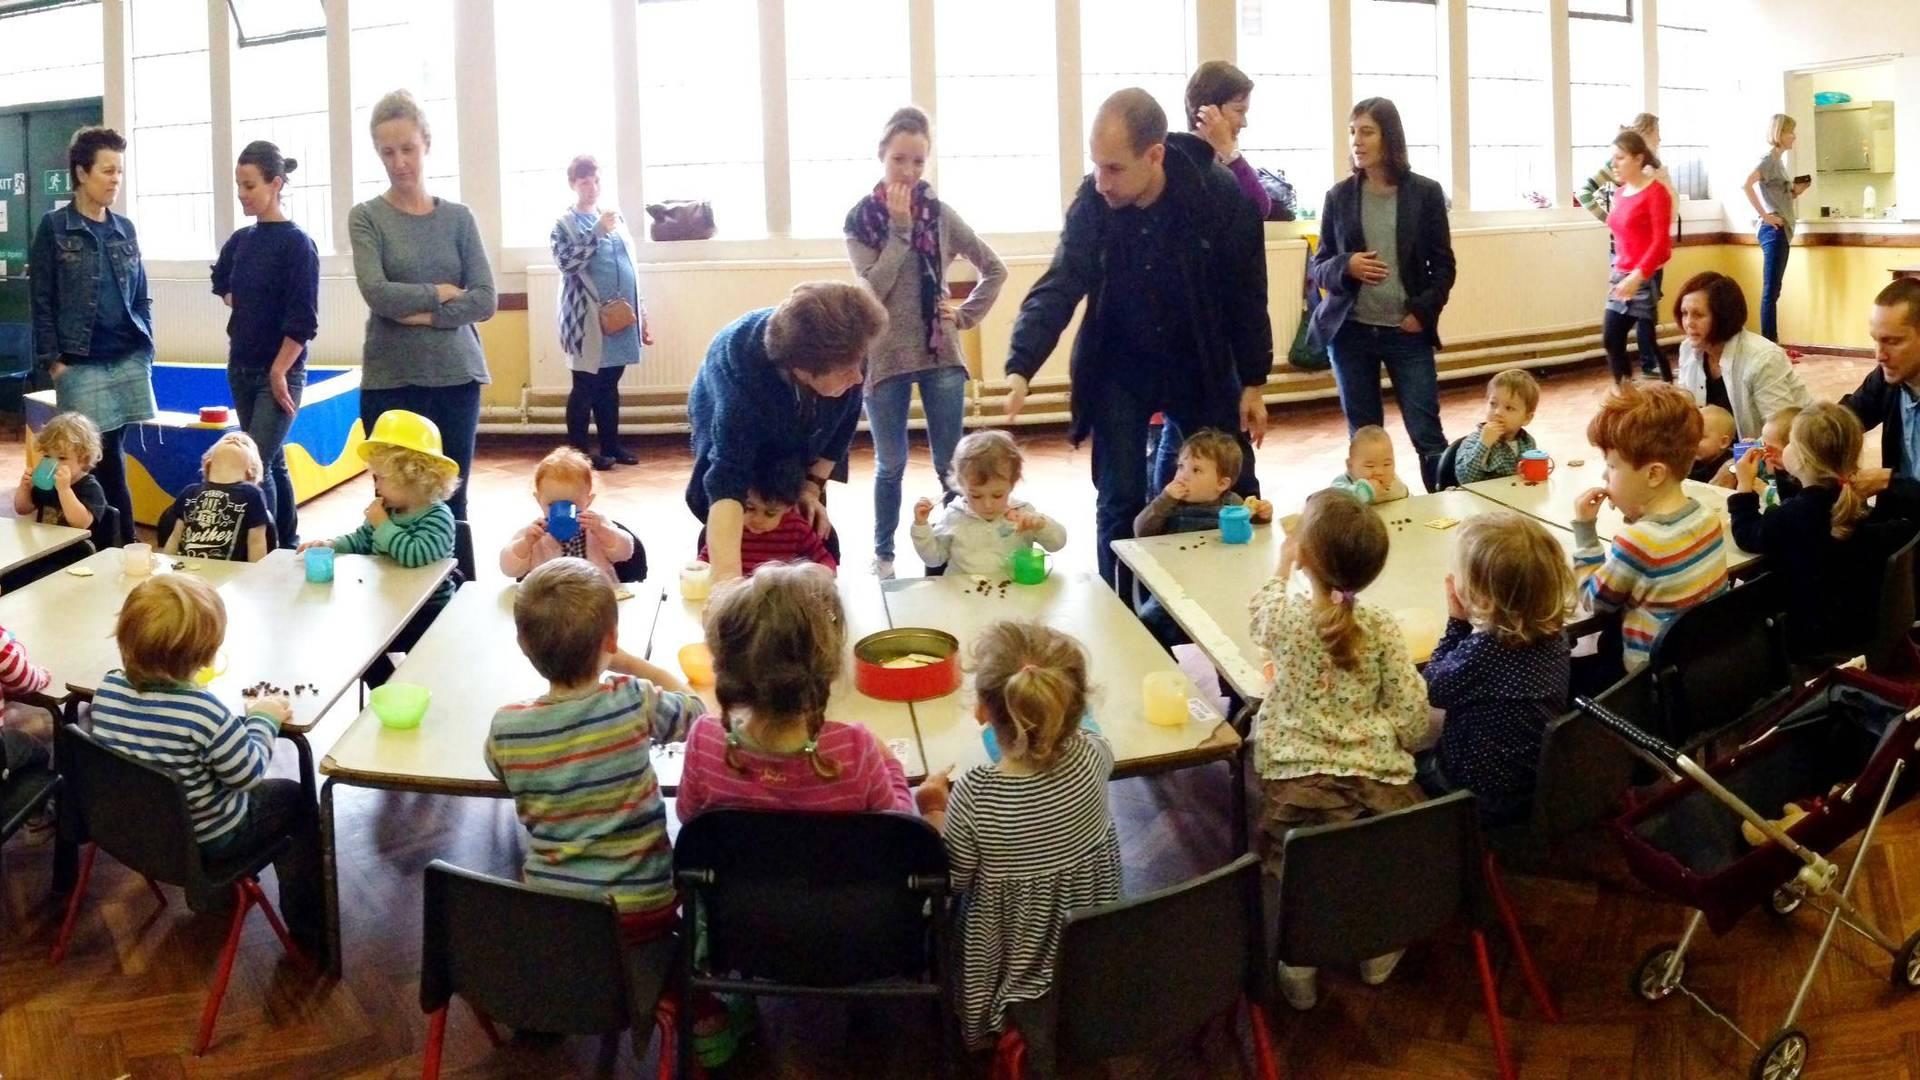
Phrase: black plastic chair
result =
(1104, 1008)
(1446, 472)
(633, 569)
(22, 794)
(537, 959)
(799, 904)
(463, 560)
(106, 531)
(1719, 661)
(1418, 870)
(1890, 650)
(138, 813)
(1582, 775)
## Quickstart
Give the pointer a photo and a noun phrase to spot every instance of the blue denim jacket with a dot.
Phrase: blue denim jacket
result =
(65, 266)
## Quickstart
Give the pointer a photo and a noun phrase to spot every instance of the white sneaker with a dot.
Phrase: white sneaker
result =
(883, 569)
(1300, 986)
(1375, 971)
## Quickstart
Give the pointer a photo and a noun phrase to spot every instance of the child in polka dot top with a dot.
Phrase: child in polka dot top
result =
(1500, 671)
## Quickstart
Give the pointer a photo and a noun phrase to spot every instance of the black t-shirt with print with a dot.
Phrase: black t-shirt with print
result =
(216, 518)
(46, 503)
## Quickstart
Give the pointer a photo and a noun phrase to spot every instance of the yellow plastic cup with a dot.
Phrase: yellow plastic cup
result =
(1165, 694)
(212, 671)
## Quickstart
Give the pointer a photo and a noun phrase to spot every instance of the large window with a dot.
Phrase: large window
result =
(999, 129)
(280, 94)
(1603, 65)
(171, 147)
(1509, 105)
(404, 44)
(547, 119)
(848, 67)
(1686, 114)
(52, 55)
(1396, 55)
(1283, 48)
(700, 122)
(1144, 43)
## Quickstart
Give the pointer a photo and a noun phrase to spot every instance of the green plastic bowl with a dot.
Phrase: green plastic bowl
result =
(400, 705)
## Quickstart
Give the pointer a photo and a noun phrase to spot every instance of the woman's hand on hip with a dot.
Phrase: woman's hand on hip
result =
(282, 396)
(1774, 220)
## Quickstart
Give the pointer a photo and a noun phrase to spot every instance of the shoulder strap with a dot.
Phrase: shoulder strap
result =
(585, 273)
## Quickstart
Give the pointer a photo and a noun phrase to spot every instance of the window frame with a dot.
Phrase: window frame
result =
(245, 41)
(1597, 16)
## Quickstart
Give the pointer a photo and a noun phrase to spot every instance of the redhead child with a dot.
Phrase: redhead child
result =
(73, 495)
(977, 532)
(1030, 838)
(1713, 457)
(170, 627)
(576, 757)
(1671, 553)
(1369, 476)
(779, 640)
(1493, 449)
(772, 528)
(1334, 737)
(1501, 670)
(225, 516)
(566, 476)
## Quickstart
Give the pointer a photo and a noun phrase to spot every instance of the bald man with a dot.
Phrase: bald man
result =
(1170, 257)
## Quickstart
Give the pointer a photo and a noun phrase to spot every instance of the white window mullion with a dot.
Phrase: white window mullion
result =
(1215, 32)
(628, 159)
(1339, 47)
(1560, 80)
(1073, 129)
(477, 106)
(340, 126)
(921, 74)
(116, 78)
(1650, 55)
(1456, 142)
(773, 110)
(220, 146)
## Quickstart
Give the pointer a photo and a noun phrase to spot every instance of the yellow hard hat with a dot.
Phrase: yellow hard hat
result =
(408, 431)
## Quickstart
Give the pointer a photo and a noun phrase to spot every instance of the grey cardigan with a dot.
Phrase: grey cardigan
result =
(893, 273)
(398, 258)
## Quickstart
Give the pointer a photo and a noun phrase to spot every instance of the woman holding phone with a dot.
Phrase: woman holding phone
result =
(1771, 191)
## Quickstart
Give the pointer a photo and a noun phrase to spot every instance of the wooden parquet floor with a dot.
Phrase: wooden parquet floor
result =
(125, 1001)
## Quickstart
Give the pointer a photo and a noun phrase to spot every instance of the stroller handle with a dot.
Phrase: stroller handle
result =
(1628, 733)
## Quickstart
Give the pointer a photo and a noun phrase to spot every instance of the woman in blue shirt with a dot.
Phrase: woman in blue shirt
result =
(92, 315)
(595, 255)
(269, 274)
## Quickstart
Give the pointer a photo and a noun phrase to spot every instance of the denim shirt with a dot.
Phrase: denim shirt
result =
(1910, 434)
(66, 284)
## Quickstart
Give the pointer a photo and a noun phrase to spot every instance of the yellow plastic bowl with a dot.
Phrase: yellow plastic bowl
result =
(400, 705)
(696, 663)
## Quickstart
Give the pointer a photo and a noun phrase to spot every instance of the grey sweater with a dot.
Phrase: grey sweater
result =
(893, 273)
(398, 259)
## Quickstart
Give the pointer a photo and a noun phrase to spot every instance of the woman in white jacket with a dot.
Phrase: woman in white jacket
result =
(1723, 363)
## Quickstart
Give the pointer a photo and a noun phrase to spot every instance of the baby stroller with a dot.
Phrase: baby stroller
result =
(1841, 749)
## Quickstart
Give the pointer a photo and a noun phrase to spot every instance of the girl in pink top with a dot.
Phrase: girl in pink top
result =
(1641, 223)
(778, 640)
(566, 475)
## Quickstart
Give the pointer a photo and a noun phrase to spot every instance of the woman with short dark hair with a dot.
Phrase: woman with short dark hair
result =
(1723, 363)
(1218, 96)
(603, 319)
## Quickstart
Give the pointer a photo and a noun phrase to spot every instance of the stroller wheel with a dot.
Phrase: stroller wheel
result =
(1649, 975)
(1906, 964)
(1783, 1058)
(1786, 900)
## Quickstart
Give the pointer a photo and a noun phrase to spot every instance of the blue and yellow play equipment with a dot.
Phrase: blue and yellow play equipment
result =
(163, 454)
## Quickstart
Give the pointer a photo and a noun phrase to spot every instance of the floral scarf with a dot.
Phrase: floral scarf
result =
(870, 224)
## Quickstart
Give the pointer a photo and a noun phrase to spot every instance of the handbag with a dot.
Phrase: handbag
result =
(690, 219)
(616, 315)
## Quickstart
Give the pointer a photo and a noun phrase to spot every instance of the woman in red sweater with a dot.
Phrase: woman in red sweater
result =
(1642, 242)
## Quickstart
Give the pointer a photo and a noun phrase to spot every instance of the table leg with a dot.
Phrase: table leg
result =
(334, 951)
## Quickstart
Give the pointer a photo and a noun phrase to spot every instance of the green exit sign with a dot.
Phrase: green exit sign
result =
(56, 182)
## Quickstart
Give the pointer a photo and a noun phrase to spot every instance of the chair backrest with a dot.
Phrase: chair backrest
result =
(106, 529)
(814, 899)
(1583, 770)
(1446, 474)
(463, 560)
(632, 569)
(1155, 969)
(137, 812)
(1359, 889)
(1890, 645)
(1719, 659)
(528, 957)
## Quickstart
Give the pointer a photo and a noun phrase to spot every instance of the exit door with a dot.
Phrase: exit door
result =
(33, 180)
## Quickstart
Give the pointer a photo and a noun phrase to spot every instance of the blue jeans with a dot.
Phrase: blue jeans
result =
(943, 396)
(1117, 412)
(455, 410)
(262, 420)
(1358, 352)
(1773, 267)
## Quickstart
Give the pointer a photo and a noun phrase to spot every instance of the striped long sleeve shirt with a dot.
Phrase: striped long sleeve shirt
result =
(18, 674)
(415, 538)
(1657, 568)
(190, 733)
(583, 784)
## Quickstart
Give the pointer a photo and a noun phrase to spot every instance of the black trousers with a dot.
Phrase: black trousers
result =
(112, 474)
(596, 393)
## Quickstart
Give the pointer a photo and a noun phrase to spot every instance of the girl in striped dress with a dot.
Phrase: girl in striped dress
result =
(1030, 838)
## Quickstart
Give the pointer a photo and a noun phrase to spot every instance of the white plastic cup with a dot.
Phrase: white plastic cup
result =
(696, 580)
(138, 559)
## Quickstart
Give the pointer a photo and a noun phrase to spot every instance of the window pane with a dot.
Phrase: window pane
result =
(1603, 71)
(1396, 56)
(546, 120)
(999, 124)
(847, 64)
(1283, 48)
(171, 141)
(1144, 43)
(1687, 116)
(280, 94)
(405, 44)
(51, 56)
(700, 121)
(1510, 107)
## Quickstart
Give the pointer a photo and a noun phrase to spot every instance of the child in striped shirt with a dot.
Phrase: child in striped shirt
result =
(772, 528)
(170, 627)
(577, 757)
(1671, 553)
(779, 640)
(26, 733)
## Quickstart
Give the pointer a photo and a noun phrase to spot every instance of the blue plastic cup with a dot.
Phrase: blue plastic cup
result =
(563, 520)
(1236, 525)
(319, 565)
(43, 473)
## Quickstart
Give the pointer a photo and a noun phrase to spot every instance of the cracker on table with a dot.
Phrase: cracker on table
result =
(1442, 523)
(78, 570)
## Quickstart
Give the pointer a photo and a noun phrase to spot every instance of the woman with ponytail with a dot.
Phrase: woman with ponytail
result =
(1345, 705)
(1030, 837)
(779, 639)
(269, 274)
(1810, 538)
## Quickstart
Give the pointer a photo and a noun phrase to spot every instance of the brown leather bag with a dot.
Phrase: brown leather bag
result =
(682, 220)
(616, 316)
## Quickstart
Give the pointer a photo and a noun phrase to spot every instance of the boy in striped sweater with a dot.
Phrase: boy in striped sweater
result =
(170, 627)
(576, 758)
(1671, 553)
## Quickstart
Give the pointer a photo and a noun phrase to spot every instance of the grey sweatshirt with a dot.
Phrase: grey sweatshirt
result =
(398, 259)
(893, 273)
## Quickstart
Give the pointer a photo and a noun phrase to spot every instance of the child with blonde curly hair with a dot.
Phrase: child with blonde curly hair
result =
(977, 532)
(68, 493)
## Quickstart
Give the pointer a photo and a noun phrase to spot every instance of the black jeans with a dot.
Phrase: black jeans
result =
(455, 410)
(282, 808)
(1118, 410)
(1614, 328)
(112, 474)
(598, 393)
